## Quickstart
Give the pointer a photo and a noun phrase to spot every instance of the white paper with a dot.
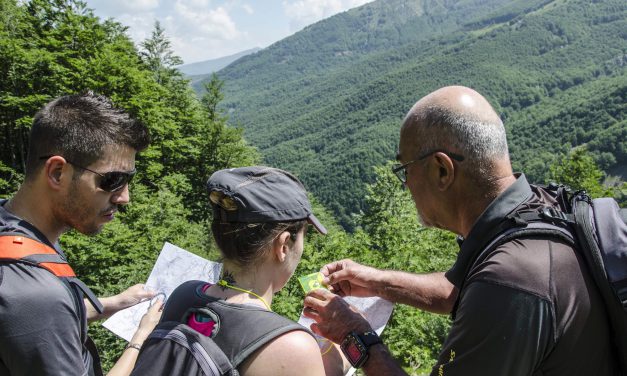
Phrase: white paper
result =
(376, 310)
(173, 267)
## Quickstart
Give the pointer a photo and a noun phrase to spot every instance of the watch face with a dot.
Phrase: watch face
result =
(354, 350)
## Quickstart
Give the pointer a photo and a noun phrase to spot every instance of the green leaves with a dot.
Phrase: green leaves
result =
(51, 48)
(578, 170)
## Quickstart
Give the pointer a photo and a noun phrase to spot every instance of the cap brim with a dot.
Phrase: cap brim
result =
(316, 223)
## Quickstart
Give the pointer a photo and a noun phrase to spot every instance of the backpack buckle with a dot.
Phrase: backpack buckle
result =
(551, 213)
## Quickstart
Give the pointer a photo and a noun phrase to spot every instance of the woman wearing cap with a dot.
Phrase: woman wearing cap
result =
(260, 219)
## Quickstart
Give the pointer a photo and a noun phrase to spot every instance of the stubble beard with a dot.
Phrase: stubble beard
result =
(76, 213)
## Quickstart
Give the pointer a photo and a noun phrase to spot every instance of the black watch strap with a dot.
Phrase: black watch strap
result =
(369, 338)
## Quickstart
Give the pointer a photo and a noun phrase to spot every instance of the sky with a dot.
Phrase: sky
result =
(208, 29)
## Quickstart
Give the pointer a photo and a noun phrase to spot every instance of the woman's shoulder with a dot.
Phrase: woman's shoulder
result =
(293, 353)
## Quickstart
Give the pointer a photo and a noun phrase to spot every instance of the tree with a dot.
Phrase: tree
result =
(158, 55)
(50, 48)
(212, 96)
(578, 170)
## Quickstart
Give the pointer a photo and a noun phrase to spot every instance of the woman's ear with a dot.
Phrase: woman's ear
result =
(280, 246)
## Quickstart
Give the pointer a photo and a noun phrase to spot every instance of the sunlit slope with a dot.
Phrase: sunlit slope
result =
(327, 102)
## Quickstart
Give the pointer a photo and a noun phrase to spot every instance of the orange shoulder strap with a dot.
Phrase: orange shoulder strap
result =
(23, 249)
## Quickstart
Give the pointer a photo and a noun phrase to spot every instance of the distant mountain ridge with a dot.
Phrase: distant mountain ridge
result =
(327, 102)
(207, 67)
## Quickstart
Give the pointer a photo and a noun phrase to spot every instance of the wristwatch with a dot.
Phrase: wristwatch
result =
(355, 346)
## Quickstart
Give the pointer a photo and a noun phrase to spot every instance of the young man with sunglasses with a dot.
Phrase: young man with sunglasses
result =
(81, 158)
(528, 308)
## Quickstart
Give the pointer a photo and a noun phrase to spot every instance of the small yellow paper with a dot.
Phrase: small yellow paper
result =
(311, 282)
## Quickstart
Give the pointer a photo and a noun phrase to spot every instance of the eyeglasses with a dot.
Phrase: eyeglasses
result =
(401, 170)
(112, 181)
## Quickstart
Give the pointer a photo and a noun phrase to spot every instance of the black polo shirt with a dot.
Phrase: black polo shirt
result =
(529, 308)
(40, 328)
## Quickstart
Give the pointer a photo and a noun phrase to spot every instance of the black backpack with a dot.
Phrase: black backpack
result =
(597, 229)
(174, 348)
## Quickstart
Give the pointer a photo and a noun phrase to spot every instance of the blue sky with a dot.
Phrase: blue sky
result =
(207, 29)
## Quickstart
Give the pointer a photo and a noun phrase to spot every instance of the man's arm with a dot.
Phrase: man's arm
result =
(430, 292)
(113, 304)
(335, 319)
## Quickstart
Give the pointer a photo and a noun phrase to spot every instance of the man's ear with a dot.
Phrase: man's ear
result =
(56, 170)
(446, 171)
(280, 246)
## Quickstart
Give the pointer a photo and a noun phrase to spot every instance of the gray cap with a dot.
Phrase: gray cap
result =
(259, 194)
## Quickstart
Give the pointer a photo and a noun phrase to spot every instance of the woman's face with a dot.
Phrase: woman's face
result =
(293, 256)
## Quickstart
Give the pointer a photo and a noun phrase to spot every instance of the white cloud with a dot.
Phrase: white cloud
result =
(208, 29)
(304, 12)
(117, 7)
(198, 21)
(141, 25)
(247, 8)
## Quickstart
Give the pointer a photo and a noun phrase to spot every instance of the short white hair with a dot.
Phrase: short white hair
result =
(481, 142)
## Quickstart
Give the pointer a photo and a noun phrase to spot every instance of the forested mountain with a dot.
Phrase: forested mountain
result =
(327, 102)
(202, 70)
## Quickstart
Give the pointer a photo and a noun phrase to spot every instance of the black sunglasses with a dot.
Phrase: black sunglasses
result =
(112, 181)
(401, 170)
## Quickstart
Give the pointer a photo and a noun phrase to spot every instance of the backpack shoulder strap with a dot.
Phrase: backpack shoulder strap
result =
(520, 225)
(20, 248)
(23, 249)
(210, 358)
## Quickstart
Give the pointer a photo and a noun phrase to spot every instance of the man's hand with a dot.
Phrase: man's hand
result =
(348, 278)
(131, 296)
(115, 303)
(333, 316)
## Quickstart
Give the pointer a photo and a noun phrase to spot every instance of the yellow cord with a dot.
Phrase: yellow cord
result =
(329, 348)
(225, 284)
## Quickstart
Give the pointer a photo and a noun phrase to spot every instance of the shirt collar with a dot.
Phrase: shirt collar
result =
(515, 195)
(9, 222)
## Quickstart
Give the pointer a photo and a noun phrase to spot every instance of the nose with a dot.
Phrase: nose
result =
(121, 197)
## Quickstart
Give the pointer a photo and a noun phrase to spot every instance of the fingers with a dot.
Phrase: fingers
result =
(337, 276)
(312, 314)
(316, 329)
(152, 316)
(318, 298)
(333, 316)
(142, 292)
(156, 306)
(336, 266)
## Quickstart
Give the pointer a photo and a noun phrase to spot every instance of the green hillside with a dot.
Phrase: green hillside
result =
(327, 102)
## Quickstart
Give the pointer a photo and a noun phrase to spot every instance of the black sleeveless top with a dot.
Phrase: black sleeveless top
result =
(238, 329)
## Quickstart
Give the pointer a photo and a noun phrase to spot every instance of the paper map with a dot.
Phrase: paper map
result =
(175, 266)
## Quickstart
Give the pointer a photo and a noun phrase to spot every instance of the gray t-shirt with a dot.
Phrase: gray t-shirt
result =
(42, 331)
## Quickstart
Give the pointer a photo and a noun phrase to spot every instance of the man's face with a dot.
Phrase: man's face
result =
(86, 207)
(416, 176)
